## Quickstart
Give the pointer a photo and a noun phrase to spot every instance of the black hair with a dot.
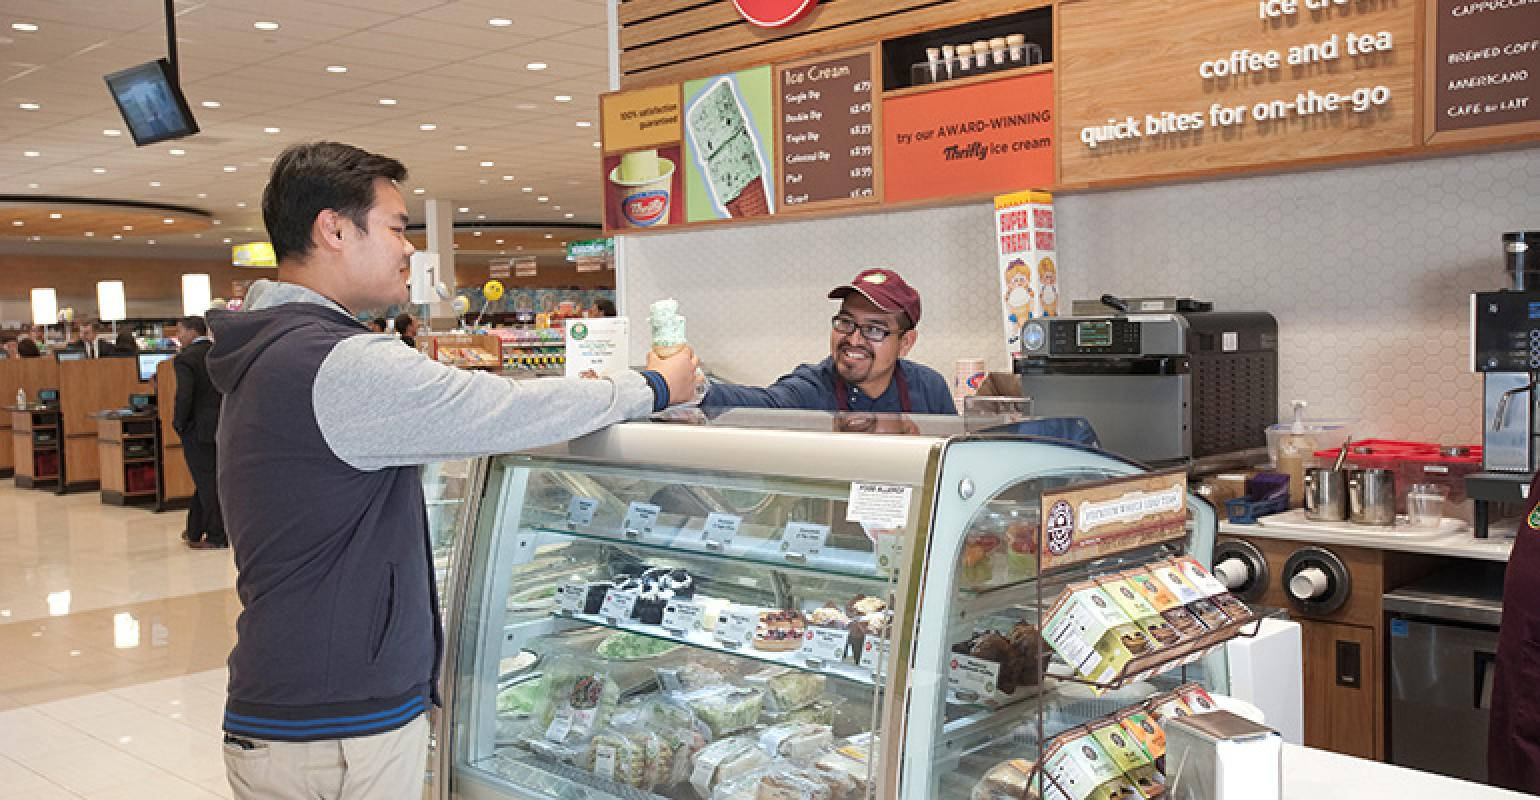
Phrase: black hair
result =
(310, 178)
(126, 343)
(378, 324)
(196, 324)
(403, 322)
(606, 306)
(26, 348)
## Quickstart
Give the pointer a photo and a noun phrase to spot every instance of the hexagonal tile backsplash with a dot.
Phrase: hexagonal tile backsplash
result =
(1368, 270)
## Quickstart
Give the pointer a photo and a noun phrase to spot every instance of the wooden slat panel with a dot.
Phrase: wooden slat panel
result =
(99, 384)
(727, 50)
(633, 11)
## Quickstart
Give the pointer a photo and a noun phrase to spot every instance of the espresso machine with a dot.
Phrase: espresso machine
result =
(1505, 349)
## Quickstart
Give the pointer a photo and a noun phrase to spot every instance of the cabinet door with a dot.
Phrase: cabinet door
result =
(1342, 698)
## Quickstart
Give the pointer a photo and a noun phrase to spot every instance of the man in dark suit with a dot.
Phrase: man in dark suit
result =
(89, 344)
(196, 418)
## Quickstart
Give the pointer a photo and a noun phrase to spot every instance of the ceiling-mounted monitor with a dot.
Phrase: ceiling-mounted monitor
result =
(151, 102)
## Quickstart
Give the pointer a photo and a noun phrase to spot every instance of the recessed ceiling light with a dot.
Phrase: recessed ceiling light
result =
(483, 181)
(230, 168)
(520, 247)
(218, 222)
(151, 241)
(499, 241)
(550, 236)
(461, 148)
(569, 215)
(427, 126)
(18, 223)
(241, 204)
(596, 144)
(271, 130)
(117, 236)
(128, 227)
(583, 123)
(31, 153)
(227, 240)
(33, 186)
(28, 106)
(387, 101)
(464, 210)
(177, 151)
(476, 233)
(529, 188)
(481, 216)
(336, 68)
(202, 195)
(536, 66)
(488, 164)
(419, 191)
(264, 25)
(154, 184)
(563, 98)
(111, 132)
(56, 215)
(507, 177)
(210, 104)
(499, 22)
(197, 236)
(99, 170)
(168, 221)
(90, 233)
(24, 27)
(525, 107)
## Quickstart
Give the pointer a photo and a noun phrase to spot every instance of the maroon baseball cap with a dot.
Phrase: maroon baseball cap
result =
(885, 289)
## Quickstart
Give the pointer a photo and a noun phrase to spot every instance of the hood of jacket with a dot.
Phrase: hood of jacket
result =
(273, 309)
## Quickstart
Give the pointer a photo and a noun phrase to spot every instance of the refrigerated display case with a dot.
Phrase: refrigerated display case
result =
(788, 604)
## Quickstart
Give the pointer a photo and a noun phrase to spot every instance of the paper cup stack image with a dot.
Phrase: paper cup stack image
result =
(722, 138)
(645, 181)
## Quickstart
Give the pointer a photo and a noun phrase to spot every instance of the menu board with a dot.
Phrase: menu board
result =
(827, 110)
(1485, 69)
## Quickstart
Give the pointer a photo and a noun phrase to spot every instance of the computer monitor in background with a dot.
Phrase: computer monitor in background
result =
(141, 402)
(48, 397)
(69, 355)
(151, 102)
(148, 362)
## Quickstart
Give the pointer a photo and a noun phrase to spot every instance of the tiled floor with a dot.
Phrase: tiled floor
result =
(112, 643)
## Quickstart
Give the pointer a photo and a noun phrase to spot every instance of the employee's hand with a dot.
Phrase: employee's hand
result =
(678, 371)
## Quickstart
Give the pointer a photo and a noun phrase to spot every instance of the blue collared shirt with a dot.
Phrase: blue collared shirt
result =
(812, 387)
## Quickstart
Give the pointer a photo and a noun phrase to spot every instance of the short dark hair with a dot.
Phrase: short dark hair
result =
(606, 306)
(197, 324)
(310, 178)
(403, 321)
(26, 348)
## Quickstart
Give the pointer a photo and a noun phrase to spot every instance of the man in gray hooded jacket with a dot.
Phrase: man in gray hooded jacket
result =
(323, 428)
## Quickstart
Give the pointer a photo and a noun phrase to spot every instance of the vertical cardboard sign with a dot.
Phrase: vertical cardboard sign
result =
(640, 139)
(1029, 271)
(729, 146)
(973, 139)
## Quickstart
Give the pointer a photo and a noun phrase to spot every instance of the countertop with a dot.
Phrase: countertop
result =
(1453, 541)
(1310, 774)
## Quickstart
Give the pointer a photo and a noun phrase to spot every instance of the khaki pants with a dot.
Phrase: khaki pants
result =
(385, 766)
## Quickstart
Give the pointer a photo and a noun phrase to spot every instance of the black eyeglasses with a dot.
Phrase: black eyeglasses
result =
(871, 333)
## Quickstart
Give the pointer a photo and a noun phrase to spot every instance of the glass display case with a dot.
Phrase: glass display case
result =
(794, 605)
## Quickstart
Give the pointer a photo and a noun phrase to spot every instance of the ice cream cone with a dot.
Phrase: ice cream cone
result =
(667, 351)
(751, 202)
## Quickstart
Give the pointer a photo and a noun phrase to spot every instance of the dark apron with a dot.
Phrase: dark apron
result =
(1513, 742)
(842, 392)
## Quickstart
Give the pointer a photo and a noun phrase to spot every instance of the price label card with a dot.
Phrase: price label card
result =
(560, 727)
(824, 644)
(604, 761)
(720, 529)
(969, 674)
(736, 627)
(804, 538)
(618, 604)
(682, 616)
(875, 649)
(571, 596)
(879, 505)
(580, 512)
(890, 551)
(641, 517)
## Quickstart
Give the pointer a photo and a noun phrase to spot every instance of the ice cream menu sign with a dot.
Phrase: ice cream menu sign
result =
(828, 130)
(1485, 70)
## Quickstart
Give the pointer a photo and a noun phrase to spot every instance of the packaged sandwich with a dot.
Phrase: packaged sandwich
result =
(1008, 780)
(797, 741)
(1093, 635)
(725, 760)
(638, 758)
(726, 709)
(787, 689)
(580, 699)
(1217, 592)
(849, 763)
(1137, 765)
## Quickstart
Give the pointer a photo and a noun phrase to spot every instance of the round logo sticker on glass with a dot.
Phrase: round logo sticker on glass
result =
(579, 331)
(773, 13)
(1060, 528)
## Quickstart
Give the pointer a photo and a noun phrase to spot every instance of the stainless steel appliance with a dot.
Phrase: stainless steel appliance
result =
(1372, 496)
(1159, 387)
(1443, 650)
(1505, 340)
(1326, 494)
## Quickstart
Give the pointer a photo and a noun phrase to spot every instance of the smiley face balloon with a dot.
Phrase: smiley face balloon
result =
(493, 291)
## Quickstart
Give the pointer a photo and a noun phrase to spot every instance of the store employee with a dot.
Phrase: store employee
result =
(865, 370)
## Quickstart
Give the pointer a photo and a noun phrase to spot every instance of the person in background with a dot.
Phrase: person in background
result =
(125, 345)
(89, 343)
(321, 436)
(27, 348)
(196, 420)
(9, 344)
(603, 307)
(866, 370)
(377, 324)
(407, 328)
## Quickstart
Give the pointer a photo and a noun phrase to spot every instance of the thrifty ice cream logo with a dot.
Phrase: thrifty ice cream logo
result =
(773, 13)
(645, 209)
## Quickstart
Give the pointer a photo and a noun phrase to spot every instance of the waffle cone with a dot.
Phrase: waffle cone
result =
(751, 202)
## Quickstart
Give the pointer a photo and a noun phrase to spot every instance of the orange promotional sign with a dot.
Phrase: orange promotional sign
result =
(986, 137)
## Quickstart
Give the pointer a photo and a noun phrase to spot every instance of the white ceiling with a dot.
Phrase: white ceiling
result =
(440, 59)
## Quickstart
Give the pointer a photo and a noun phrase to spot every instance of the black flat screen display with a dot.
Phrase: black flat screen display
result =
(151, 103)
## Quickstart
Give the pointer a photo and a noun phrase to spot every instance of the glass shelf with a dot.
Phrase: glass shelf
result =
(684, 542)
(705, 640)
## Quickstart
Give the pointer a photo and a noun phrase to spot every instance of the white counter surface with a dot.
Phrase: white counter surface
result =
(1310, 774)
(1454, 540)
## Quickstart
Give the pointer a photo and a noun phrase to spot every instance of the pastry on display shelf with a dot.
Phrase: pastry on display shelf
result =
(780, 631)
(727, 709)
(829, 616)
(623, 646)
(1008, 780)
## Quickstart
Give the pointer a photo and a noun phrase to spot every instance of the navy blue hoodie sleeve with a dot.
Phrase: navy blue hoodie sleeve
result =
(802, 388)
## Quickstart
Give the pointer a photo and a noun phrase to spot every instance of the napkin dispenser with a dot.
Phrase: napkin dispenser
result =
(1220, 756)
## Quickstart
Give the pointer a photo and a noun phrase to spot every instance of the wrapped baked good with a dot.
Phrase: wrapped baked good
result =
(685, 735)
(846, 766)
(828, 616)
(689, 678)
(787, 689)
(580, 699)
(636, 758)
(1008, 780)
(797, 741)
(792, 785)
(727, 710)
(725, 760)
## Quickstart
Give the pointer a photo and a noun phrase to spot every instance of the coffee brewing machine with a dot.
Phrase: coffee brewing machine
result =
(1505, 349)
